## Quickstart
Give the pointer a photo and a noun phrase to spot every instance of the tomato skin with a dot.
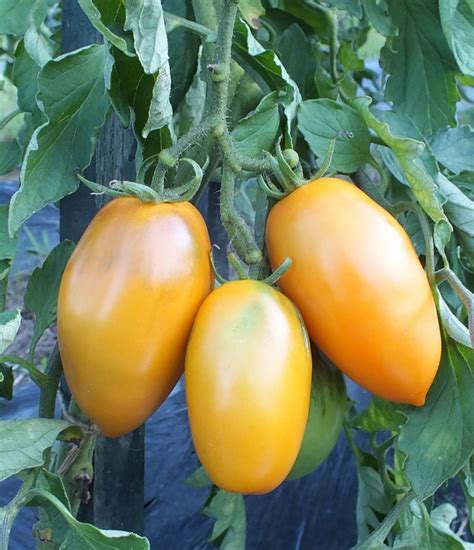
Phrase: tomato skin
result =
(326, 414)
(127, 301)
(248, 381)
(360, 287)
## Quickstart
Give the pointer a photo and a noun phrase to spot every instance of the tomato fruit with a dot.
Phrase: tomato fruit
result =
(326, 414)
(127, 301)
(248, 382)
(360, 287)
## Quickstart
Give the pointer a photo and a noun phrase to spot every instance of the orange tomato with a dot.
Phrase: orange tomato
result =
(248, 383)
(360, 287)
(127, 301)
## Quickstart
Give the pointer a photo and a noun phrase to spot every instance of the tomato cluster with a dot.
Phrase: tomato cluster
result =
(137, 306)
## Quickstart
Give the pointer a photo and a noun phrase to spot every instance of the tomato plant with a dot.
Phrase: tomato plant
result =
(341, 137)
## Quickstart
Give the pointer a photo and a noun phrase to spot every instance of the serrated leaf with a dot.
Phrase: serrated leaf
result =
(421, 66)
(108, 17)
(10, 156)
(76, 108)
(14, 15)
(41, 295)
(322, 120)
(145, 19)
(9, 324)
(457, 19)
(454, 148)
(460, 211)
(24, 442)
(228, 509)
(408, 153)
(257, 132)
(439, 437)
(379, 19)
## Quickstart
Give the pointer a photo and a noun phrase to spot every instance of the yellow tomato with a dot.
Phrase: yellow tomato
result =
(360, 287)
(248, 383)
(127, 302)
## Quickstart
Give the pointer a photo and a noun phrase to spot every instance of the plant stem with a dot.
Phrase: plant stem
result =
(173, 21)
(49, 391)
(331, 17)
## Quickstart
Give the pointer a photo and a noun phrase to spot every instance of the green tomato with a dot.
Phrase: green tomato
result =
(326, 414)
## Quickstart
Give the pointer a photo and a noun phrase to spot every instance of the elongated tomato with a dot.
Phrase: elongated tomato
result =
(248, 383)
(127, 302)
(360, 287)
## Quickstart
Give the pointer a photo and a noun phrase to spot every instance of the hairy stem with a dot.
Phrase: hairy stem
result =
(173, 21)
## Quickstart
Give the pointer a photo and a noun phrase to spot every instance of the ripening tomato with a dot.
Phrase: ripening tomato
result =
(127, 301)
(248, 381)
(326, 414)
(360, 287)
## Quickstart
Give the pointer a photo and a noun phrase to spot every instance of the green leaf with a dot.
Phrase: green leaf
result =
(351, 6)
(14, 15)
(108, 17)
(439, 437)
(10, 156)
(379, 415)
(38, 42)
(372, 502)
(466, 476)
(441, 519)
(41, 295)
(9, 324)
(24, 76)
(379, 19)
(191, 108)
(145, 19)
(421, 66)
(76, 108)
(420, 532)
(296, 54)
(258, 131)
(460, 211)
(131, 91)
(348, 57)
(228, 509)
(321, 120)
(266, 68)
(84, 536)
(452, 324)
(251, 11)
(408, 153)
(199, 478)
(6, 382)
(454, 148)
(457, 19)
(183, 47)
(24, 442)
